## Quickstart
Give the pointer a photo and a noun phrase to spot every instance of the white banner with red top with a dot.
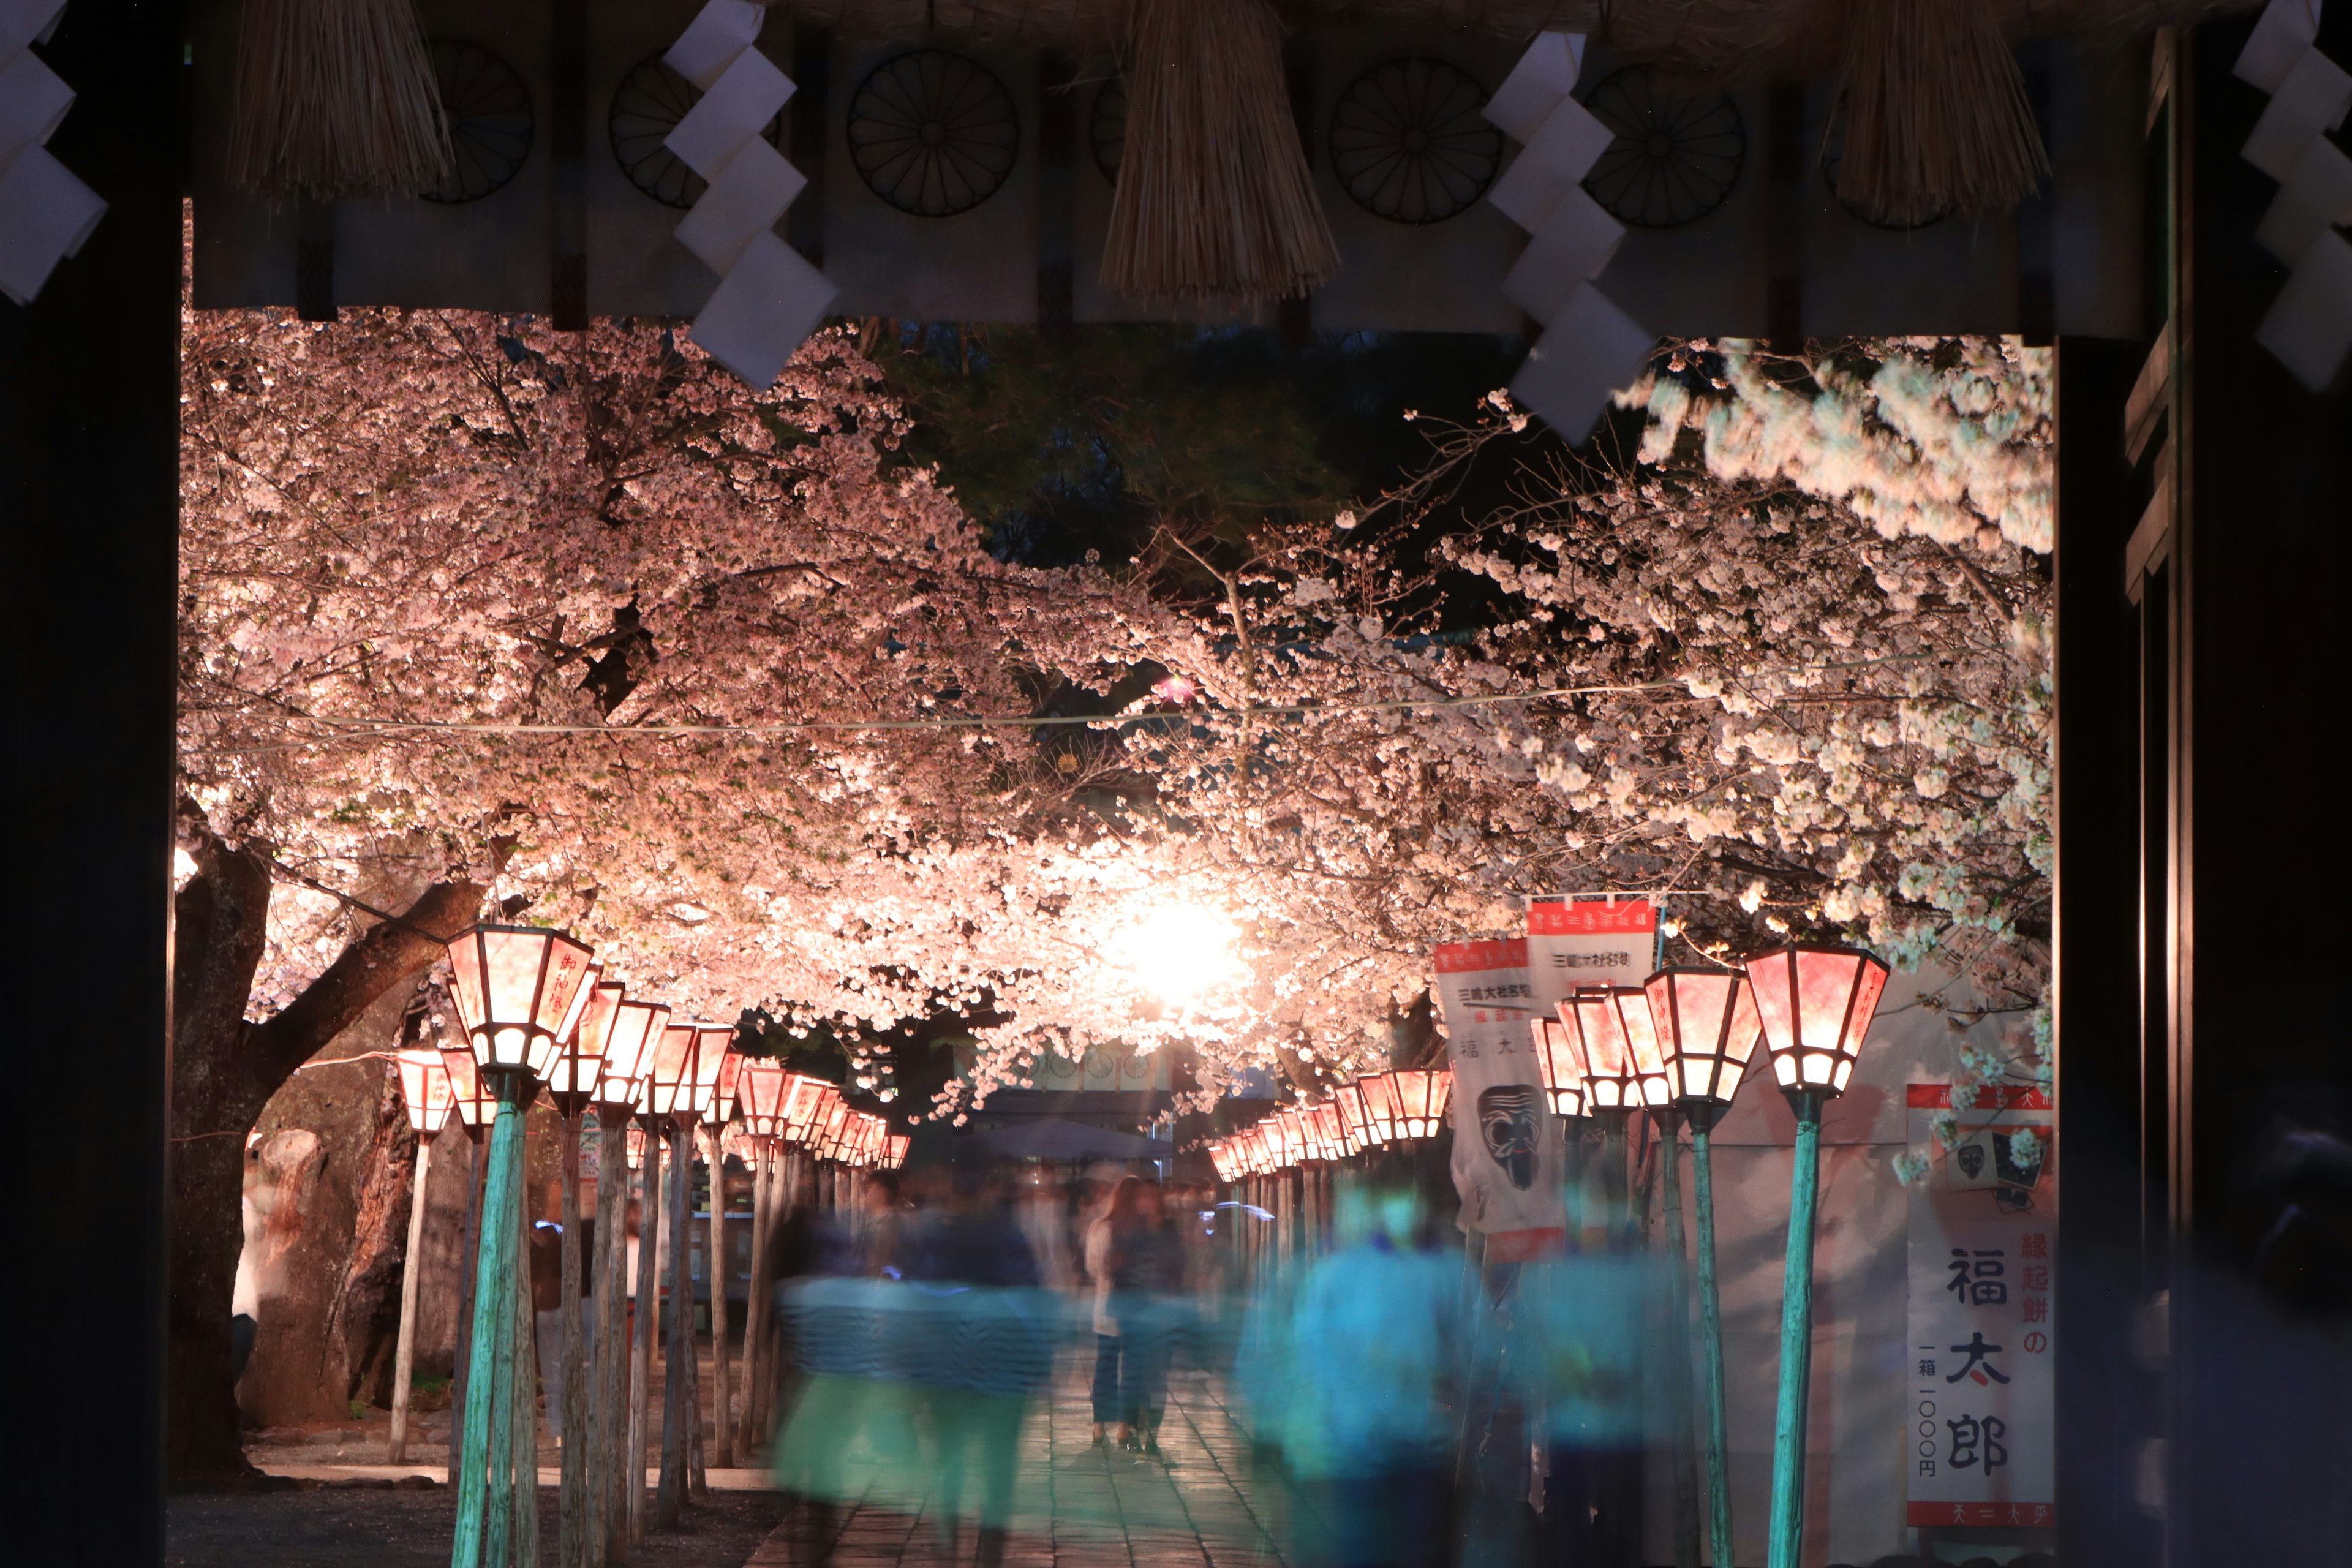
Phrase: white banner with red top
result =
(1509, 1157)
(1588, 939)
(1984, 1233)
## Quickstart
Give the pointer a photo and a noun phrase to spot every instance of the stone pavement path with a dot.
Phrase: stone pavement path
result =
(1082, 1507)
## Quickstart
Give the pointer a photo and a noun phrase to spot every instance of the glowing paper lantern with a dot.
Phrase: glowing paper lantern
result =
(762, 1089)
(724, 1098)
(628, 1057)
(1422, 1097)
(469, 1092)
(804, 1103)
(424, 1085)
(1815, 1004)
(579, 1061)
(1563, 1079)
(1380, 1105)
(518, 991)
(1640, 1032)
(686, 1066)
(1598, 1028)
(1355, 1122)
(1707, 1026)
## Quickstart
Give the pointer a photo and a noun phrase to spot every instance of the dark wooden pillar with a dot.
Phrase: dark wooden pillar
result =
(2259, 1118)
(2102, 1395)
(89, 494)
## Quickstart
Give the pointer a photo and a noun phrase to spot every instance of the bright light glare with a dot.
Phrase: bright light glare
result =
(1179, 951)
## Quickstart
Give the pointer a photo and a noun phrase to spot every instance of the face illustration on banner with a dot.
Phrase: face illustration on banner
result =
(1508, 1114)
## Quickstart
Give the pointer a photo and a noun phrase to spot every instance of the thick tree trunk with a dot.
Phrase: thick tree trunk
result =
(363, 1323)
(224, 1070)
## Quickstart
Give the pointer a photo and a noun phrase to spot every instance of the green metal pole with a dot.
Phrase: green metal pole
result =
(490, 1349)
(1788, 1531)
(1678, 1360)
(1616, 1182)
(1710, 1333)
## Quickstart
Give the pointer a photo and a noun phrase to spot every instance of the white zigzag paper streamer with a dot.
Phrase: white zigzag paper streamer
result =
(2308, 328)
(46, 213)
(1589, 348)
(768, 300)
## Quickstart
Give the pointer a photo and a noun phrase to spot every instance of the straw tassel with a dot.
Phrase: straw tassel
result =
(1937, 119)
(1215, 200)
(334, 99)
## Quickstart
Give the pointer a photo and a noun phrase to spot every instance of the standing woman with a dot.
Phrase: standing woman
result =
(1147, 1270)
(1107, 1410)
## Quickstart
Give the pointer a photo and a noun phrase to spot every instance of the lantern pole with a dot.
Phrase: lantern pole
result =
(715, 1265)
(1787, 1536)
(1616, 1180)
(572, 1527)
(470, 1248)
(755, 1315)
(605, 1518)
(1678, 1368)
(404, 1360)
(525, 1506)
(1702, 1115)
(487, 1440)
(641, 1375)
(678, 1360)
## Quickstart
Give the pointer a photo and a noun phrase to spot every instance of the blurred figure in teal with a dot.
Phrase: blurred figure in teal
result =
(1574, 1356)
(1358, 1383)
(980, 1343)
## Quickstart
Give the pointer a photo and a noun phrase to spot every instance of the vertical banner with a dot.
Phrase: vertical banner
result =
(1984, 1251)
(1508, 1153)
(1587, 939)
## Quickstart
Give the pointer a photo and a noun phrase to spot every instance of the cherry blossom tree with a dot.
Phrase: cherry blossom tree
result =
(572, 628)
(1786, 673)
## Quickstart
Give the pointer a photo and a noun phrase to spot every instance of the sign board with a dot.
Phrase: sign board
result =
(1984, 1252)
(1588, 939)
(1509, 1159)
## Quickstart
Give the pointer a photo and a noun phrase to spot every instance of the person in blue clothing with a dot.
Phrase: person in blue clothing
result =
(1362, 1383)
(981, 1343)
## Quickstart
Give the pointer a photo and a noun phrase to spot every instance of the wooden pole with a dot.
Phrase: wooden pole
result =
(403, 1359)
(571, 1515)
(670, 1494)
(608, 1533)
(469, 1254)
(754, 1318)
(487, 1430)
(698, 1481)
(717, 1257)
(641, 1372)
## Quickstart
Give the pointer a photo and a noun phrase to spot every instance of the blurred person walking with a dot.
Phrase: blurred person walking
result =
(1137, 1265)
(1372, 1370)
(980, 1341)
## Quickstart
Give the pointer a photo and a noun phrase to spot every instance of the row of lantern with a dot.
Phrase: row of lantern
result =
(1379, 1108)
(1683, 1037)
(534, 1001)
